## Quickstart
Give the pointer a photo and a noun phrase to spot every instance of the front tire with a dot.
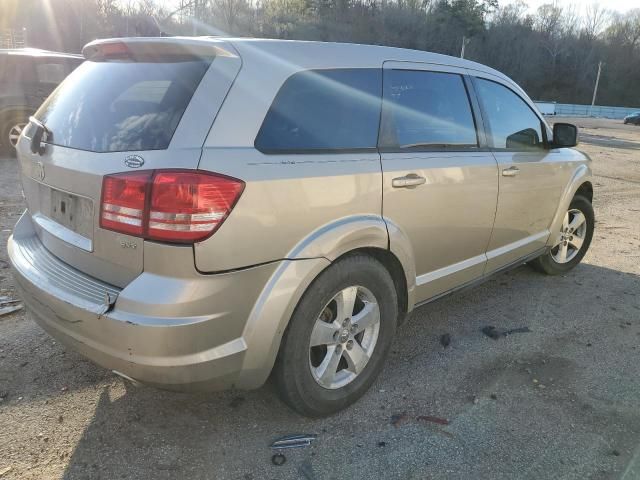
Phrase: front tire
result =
(573, 241)
(338, 337)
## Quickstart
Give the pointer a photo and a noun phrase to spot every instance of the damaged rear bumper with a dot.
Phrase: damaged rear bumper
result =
(174, 329)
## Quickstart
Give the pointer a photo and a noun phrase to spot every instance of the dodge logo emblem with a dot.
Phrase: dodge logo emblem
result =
(134, 161)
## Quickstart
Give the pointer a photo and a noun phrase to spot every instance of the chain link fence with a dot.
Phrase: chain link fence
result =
(12, 38)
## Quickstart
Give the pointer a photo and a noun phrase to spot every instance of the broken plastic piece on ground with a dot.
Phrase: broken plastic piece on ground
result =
(493, 332)
(445, 340)
(278, 459)
(428, 418)
(294, 441)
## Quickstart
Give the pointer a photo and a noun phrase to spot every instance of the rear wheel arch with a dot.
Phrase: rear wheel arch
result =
(585, 190)
(393, 265)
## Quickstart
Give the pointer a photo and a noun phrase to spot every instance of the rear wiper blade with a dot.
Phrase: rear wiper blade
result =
(37, 145)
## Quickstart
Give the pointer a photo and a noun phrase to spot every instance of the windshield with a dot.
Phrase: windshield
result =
(121, 106)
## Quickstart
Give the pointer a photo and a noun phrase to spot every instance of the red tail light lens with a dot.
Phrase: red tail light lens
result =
(123, 202)
(171, 206)
(190, 206)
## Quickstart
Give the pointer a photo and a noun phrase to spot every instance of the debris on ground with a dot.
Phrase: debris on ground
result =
(428, 418)
(399, 418)
(382, 444)
(306, 470)
(294, 441)
(495, 333)
(403, 417)
(10, 309)
(278, 459)
(445, 340)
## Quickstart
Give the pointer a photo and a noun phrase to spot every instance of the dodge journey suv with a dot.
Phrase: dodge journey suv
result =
(206, 213)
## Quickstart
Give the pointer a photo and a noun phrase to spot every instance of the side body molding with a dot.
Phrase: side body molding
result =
(581, 175)
(271, 313)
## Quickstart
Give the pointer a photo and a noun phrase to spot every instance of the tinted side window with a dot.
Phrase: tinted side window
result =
(324, 110)
(426, 109)
(17, 68)
(512, 123)
(50, 72)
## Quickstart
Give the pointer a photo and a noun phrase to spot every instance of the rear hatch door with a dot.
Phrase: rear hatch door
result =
(142, 105)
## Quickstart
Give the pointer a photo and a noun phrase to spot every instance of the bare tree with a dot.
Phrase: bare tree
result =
(595, 19)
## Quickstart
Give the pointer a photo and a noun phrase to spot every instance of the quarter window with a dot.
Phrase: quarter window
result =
(320, 110)
(512, 123)
(426, 110)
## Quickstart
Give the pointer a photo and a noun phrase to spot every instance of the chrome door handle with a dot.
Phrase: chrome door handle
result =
(510, 172)
(408, 181)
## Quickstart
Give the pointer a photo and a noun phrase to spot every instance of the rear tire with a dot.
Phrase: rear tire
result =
(565, 255)
(327, 362)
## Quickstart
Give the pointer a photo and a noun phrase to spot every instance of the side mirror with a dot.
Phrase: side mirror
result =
(564, 135)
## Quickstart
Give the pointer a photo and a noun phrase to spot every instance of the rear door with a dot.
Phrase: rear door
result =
(113, 116)
(440, 182)
(532, 177)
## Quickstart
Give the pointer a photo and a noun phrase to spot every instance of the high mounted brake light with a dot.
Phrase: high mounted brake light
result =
(178, 206)
(109, 51)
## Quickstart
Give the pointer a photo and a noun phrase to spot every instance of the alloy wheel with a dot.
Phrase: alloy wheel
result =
(344, 337)
(14, 133)
(571, 237)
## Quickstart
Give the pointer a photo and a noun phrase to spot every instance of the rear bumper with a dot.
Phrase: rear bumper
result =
(172, 328)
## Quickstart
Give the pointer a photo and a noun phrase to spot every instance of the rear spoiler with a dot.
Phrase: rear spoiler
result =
(157, 49)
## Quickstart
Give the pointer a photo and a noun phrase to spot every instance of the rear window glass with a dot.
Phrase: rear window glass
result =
(121, 106)
(318, 110)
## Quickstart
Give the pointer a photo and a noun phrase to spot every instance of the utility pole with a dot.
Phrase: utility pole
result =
(595, 89)
(465, 40)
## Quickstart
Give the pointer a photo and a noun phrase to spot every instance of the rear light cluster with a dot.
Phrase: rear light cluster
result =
(176, 206)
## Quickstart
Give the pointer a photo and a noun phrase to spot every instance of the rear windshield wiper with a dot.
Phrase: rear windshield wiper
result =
(39, 137)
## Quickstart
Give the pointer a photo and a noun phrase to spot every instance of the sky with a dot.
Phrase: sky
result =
(617, 5)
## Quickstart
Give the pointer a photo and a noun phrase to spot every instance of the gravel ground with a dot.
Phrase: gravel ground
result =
(560, 402)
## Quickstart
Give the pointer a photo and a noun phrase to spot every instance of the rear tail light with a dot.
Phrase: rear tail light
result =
(123, 202)
(167, 205)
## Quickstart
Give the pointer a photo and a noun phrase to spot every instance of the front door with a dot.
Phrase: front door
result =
(532, 177)
(440, 183)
